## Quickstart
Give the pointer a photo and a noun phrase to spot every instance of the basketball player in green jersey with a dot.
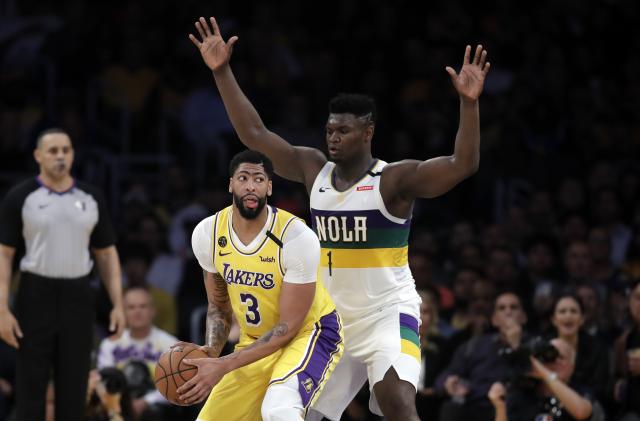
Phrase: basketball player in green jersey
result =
(361, 210)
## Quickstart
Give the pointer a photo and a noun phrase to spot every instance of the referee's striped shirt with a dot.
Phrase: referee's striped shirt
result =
(57, 229)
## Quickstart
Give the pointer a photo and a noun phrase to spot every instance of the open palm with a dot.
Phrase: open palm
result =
(470, 81)
(214, 50)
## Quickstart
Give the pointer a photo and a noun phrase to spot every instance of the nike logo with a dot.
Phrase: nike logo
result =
(43, 206)
(220, 253)
(324, 189)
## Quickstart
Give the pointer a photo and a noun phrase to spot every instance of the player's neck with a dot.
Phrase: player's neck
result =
(349, 172)
(248, 229)
(56, 184)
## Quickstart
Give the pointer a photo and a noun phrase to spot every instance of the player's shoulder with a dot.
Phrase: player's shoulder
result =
(298, 230)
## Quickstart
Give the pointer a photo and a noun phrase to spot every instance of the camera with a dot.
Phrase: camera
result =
(113, 380)
(519, 364)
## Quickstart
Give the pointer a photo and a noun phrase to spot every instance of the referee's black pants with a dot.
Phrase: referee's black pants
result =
(56, 316)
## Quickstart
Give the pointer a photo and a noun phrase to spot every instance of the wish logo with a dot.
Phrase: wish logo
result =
(269, 259)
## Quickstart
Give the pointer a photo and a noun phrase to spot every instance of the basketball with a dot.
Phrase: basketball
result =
(172, 372)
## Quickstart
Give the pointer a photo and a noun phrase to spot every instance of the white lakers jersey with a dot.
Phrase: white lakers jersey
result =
(364, 255)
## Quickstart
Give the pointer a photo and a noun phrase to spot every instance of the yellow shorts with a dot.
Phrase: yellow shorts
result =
(311, 356)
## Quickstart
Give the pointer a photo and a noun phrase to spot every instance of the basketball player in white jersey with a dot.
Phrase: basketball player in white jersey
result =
(361, 210)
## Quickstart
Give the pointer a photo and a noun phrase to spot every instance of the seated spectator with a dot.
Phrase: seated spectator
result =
(632, 262)
(142, 342)
(591, 368)
(551, 398)
(433, 351)
(627, 362)
(477, 364)
(135, 267)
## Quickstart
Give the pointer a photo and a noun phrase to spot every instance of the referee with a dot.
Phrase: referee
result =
(59, 221)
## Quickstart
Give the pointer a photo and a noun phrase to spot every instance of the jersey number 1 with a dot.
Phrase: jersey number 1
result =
(330, 262)
(253, 315)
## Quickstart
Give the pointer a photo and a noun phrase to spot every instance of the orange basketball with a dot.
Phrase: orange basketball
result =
(172, 372)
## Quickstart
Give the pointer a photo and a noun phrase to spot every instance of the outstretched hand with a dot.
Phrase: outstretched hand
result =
(214, 50)
(470, 81)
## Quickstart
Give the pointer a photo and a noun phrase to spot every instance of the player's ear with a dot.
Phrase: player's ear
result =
(230, 189)
(269, 188)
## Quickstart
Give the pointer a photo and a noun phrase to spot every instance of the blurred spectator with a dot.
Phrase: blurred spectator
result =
(609, 216)
(577, 263)
(141, 342)
(595, 323)
(632, 263)
(591, 369)
(135, 266)
(477, 364)
(433, 351)
(627, 362)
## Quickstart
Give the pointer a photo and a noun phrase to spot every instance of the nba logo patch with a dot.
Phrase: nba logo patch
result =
(308, 385)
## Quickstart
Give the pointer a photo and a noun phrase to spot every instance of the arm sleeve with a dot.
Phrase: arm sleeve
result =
(102, 235)
(201, 244)
(300, 254)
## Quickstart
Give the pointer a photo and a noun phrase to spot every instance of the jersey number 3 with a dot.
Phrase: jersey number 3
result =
(253, 315)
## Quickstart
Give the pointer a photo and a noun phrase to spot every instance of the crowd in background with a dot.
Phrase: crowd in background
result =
(553, 208)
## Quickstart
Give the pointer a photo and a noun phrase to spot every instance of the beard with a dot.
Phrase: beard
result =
(246, 212)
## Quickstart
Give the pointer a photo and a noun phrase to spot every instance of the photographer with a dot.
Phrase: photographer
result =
(552, 398)
(107, 396)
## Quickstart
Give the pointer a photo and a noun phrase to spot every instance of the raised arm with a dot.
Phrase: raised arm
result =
(294, 163)
(577, 406)
(431, 178)
(295, 302)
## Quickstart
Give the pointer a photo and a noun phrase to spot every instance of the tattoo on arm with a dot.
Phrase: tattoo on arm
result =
(218, 316)
(280, 329)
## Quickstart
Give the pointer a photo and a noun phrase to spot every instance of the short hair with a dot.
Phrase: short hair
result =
(252, 157)
(362, 106)
(52, 130)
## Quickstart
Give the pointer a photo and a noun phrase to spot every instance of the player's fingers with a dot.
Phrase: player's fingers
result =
(17, 330)
(487, 66)
(483, 58)
(478, 53)
(205, 25)
(195, 41)
(467, 55)
(200, 30)
(214, 26)
(187, 386)
(11, 340)
(191, 362)
(451, 72)
(232, 41)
